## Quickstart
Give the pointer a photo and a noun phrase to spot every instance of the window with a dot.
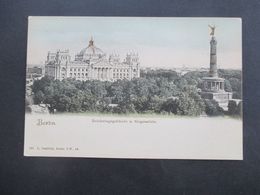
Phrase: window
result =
(71, 69)
(74, 69)
(79, 69)
(82, 69)
(86, 74)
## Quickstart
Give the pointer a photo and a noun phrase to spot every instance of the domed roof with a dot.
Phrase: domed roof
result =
(91, 50)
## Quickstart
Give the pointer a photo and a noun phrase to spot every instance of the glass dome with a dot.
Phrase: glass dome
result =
(90, 52)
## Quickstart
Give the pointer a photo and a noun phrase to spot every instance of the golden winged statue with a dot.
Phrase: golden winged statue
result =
(212, 28)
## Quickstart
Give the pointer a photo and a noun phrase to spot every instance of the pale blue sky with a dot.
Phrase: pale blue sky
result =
(160, 42)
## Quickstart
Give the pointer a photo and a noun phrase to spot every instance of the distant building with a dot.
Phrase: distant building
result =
(213, 86)
(91, 63)
(33, 72)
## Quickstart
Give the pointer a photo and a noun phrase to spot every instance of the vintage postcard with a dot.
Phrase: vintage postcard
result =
(134, 87)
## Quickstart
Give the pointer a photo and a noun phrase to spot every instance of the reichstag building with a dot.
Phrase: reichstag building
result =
(91, 63)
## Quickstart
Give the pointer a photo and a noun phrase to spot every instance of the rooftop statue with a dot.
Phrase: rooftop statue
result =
(212, 28)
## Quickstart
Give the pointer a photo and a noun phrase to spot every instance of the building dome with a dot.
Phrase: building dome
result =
(90, 52)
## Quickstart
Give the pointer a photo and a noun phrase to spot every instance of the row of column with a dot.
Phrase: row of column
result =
(102, 73)
(215, 85)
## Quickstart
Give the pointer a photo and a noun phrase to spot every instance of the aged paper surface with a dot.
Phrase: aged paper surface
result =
(127, 87)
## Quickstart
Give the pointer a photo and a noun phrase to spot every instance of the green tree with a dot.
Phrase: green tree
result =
(39, 97)
(232, 107)
(187, 106)
(39, 85)
(141, 87)
(63, 103)
(181, 82)
(235, 109)
(189, 102)
(212, 108)
(141, 104)
(236, 86)
(126, 108)
(228, 86)
(89, 103)
(98, 89)
(169, 106)
(154, 104)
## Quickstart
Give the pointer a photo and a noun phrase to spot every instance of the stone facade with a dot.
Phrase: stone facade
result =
(91, 63)
(213, 86)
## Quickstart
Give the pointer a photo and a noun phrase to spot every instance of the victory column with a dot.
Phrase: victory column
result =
(213, 87)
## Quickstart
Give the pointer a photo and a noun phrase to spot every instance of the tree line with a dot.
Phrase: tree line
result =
(156, 91)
